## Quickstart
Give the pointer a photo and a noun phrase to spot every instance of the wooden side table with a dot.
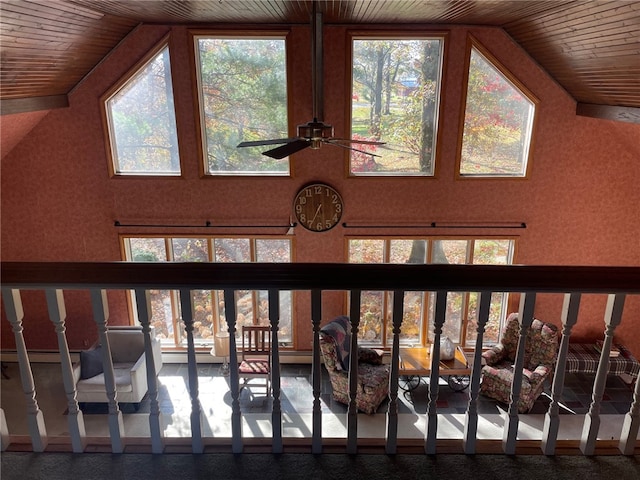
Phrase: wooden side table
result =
(416, 362)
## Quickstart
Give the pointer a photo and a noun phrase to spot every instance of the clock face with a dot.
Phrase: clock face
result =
(318, 207)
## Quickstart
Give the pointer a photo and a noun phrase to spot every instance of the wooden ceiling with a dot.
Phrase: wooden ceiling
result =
(591, 48)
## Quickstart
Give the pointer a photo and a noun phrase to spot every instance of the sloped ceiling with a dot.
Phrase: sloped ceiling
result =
(591, 47)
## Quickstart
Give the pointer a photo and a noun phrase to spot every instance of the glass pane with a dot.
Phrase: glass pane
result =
(244, 309)
(285, 334)
(190, 250)
(143, 124)
(202, 318)
(147, 250)
(243, 95)
(366, 251)
(449, 251)
(496, 317)
(411, 329)
(153, 250)
(276, 251)
(395, 97)
(232, 250)
(371, 309)
(453, 317)
(497, 123)
(162, 315)
(492, 252)
(273, 251)
(408, 251)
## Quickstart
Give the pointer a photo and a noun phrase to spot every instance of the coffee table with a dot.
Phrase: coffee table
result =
(415, 362)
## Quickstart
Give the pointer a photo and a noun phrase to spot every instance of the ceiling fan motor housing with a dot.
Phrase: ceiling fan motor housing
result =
(315, 132)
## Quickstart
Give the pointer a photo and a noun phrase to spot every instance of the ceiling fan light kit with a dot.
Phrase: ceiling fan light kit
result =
(311, 134)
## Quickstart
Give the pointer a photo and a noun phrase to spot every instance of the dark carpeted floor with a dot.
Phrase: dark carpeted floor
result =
(60, 466)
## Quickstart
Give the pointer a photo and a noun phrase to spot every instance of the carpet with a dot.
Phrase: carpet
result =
(63, 466)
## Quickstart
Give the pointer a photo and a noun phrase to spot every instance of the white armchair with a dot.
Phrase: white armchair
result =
(129, 367)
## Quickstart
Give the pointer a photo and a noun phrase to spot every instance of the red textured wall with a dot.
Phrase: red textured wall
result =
(580, 202)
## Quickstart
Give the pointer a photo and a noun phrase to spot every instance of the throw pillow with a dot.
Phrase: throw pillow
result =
(91, 363)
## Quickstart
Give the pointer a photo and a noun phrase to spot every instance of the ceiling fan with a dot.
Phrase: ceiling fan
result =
(314, 133)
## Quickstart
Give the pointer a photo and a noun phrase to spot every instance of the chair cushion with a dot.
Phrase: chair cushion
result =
(122, 376)
(91, 363)
(254, 366)
(339, 330)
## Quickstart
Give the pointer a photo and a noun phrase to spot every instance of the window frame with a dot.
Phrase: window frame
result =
(428, 297)
(473, 43)
(108, 133)
(175, 342)
(401, 35)
(198, 104)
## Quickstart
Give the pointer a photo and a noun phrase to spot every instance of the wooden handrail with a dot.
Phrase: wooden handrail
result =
(326, 276)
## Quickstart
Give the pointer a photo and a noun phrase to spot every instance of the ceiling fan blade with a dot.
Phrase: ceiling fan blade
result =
(351, 140)
(275, 141)
(351, 148)
(288, 149)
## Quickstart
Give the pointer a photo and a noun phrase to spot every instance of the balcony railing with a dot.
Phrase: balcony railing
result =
(97, 278)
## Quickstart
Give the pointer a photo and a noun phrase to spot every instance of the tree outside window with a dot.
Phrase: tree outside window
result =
(395, 99)
(497, 124)
(242, 86)
(142, 123)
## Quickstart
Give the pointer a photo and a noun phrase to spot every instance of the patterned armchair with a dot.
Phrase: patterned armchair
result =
(373, 375)
(541, 349)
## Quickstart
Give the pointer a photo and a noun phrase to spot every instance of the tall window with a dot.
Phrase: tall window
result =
(395, 99)
(418, 312)
(208, 306)
(142, 123)
(497, 123)
(242, 85)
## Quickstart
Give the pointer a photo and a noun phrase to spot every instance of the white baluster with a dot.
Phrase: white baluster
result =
(316, 371)
(186, 307)
(35, 419)
(552, 418)
(392, 412)
(234, 376)
(101, 317)
(143, 305)
(525, 318)
(471, 416)
(629, 435)
(612, 318)
(352, 411)
(276, 414)
(75, 420)
(431, 434)
(4, 432)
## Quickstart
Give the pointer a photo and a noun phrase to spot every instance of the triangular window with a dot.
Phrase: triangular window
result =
(498, 122)
(142, 122)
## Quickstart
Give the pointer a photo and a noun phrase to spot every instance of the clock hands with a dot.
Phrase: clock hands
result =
(317, 212)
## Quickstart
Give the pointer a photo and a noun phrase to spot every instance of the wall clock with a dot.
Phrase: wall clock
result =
(318, 207)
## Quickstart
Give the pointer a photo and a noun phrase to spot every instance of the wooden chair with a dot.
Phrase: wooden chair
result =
(256, 355)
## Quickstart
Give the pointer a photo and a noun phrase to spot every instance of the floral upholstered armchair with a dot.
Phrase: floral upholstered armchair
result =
(541, 349)
(373, 375)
